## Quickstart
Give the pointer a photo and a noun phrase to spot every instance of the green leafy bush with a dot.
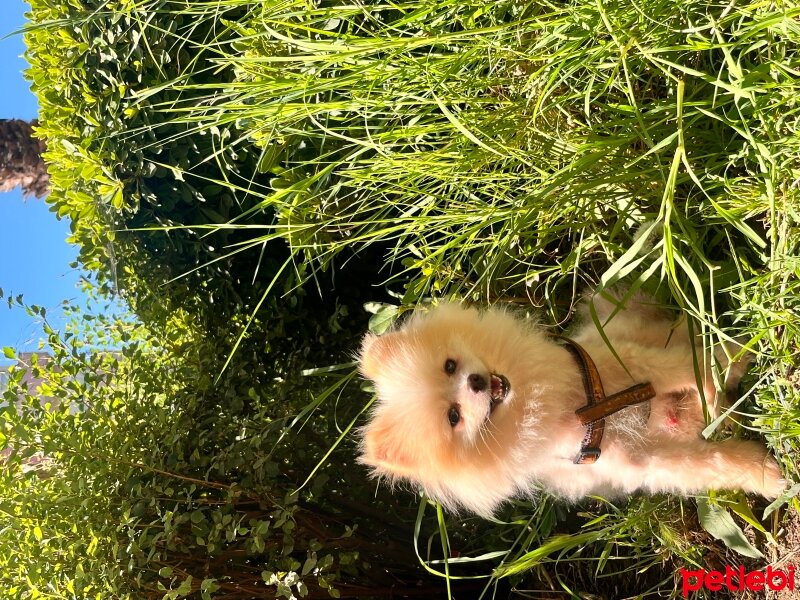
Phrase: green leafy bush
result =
(129, 473)
(142, 187)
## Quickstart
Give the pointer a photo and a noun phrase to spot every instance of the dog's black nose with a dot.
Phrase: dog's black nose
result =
(477, 383)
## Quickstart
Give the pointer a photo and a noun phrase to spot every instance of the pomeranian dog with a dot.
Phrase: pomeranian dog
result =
(479, 406)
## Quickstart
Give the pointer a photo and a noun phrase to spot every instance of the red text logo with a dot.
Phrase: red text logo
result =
(737, 580)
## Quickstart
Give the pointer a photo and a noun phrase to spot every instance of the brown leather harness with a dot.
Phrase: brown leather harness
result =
(598, 405)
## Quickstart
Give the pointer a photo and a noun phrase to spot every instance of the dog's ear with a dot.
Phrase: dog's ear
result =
(384, 450)
(375, 353)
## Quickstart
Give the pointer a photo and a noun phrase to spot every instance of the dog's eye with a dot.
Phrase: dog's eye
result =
(449, 366)
(454, 416)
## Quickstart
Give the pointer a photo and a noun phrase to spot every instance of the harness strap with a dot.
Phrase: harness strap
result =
(598, 405)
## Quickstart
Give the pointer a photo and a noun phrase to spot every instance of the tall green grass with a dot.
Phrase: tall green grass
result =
(497, 146)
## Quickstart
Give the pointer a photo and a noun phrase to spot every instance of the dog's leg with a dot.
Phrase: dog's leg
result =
(693, 467)
(640, 320)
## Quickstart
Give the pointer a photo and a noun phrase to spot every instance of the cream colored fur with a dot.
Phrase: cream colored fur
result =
(530, 439)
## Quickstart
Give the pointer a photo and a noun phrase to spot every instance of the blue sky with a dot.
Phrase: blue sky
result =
(34, 255)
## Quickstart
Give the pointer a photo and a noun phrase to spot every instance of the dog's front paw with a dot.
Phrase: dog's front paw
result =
(771, 484)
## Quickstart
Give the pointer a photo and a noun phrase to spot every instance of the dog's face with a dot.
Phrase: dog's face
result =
(446, 385)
